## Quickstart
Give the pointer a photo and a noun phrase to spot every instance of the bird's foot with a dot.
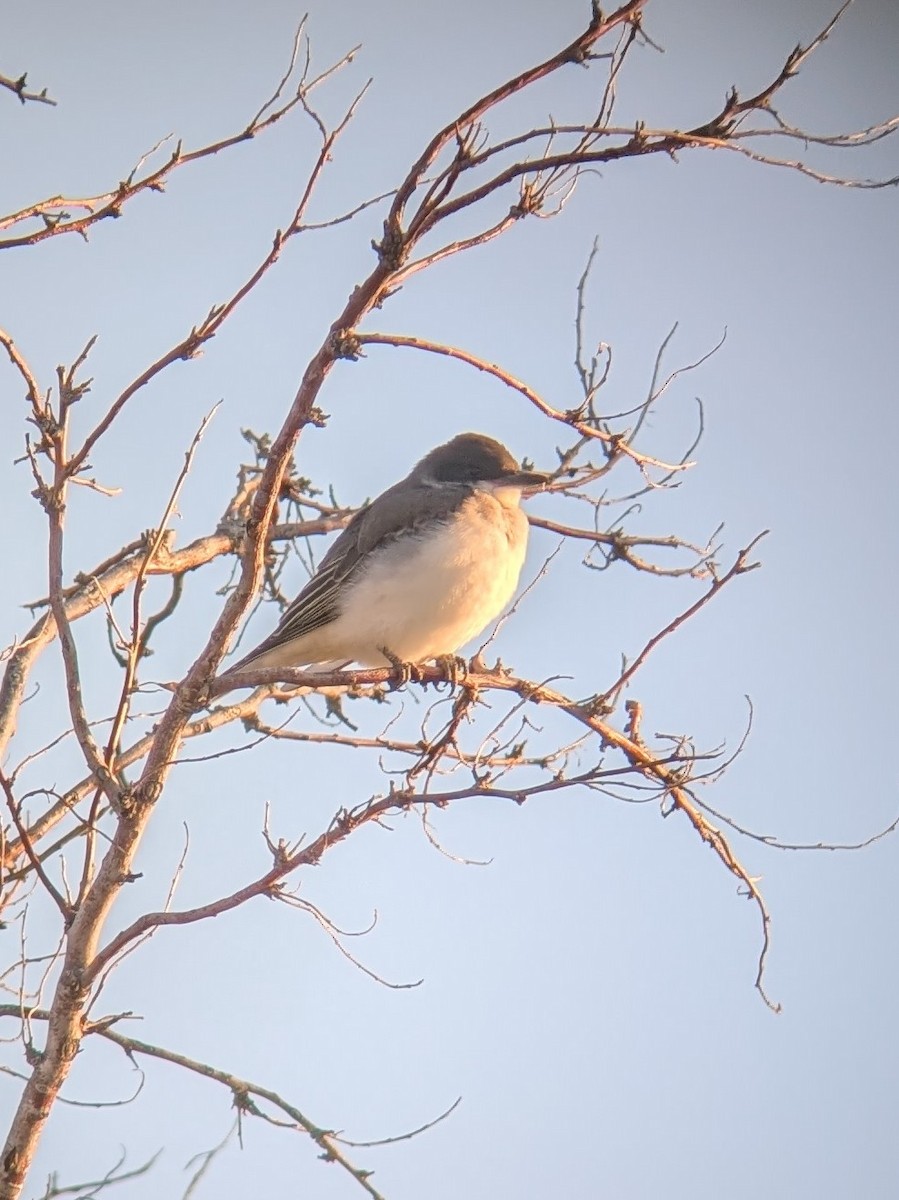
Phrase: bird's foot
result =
(406, 672)
(456, 668)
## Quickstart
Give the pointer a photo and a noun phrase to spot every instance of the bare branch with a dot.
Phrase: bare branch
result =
(740, 567)
(87, 1191)
(242, 1090)
(578, 51)
(640, 758)
(19, 362)
(12, 804)
(55, 212)
(460, 169)
(616, 442)
(402, 1137)
(621, 546)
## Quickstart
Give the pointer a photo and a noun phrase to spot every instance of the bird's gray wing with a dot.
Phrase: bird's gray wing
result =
(401, 511)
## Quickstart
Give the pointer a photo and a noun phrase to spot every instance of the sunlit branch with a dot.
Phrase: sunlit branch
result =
(741, 566)
(55, 212)
(458, 170)
(617, 442)
(643, 760)
(578, 51)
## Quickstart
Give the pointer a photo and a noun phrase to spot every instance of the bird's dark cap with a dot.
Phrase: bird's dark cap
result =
(476, 458)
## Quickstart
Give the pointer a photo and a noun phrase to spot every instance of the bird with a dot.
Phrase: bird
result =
(418, 572)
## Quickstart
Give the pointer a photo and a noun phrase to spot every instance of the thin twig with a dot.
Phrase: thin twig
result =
(242, 1090)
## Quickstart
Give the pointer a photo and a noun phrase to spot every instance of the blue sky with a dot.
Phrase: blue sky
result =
(589, 993)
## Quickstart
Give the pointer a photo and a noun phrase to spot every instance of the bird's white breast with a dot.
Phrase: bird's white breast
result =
(428, 594)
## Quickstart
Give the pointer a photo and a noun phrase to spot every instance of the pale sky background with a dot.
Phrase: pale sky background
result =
(589, 993)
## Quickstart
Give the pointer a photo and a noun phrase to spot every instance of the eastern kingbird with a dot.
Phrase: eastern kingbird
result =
(418, 572)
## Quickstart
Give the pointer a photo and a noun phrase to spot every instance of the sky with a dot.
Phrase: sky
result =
(589, 992)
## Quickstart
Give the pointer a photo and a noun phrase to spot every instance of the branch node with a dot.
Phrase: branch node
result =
(393, 248)
(344, 343)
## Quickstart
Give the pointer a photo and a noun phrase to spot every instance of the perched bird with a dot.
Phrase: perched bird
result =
(418, 572)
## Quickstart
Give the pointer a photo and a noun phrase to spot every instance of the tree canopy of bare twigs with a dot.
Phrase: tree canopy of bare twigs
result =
(95, 740)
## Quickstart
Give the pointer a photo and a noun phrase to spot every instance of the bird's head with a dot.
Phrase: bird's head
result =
(477, 459)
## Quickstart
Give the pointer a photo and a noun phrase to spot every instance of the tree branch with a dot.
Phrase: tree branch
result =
(241, 1091)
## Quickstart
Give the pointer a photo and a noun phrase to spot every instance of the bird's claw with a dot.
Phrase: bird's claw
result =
(455, 667)
(406, 672)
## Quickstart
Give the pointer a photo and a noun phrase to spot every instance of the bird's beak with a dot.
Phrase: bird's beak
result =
(528, 481)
